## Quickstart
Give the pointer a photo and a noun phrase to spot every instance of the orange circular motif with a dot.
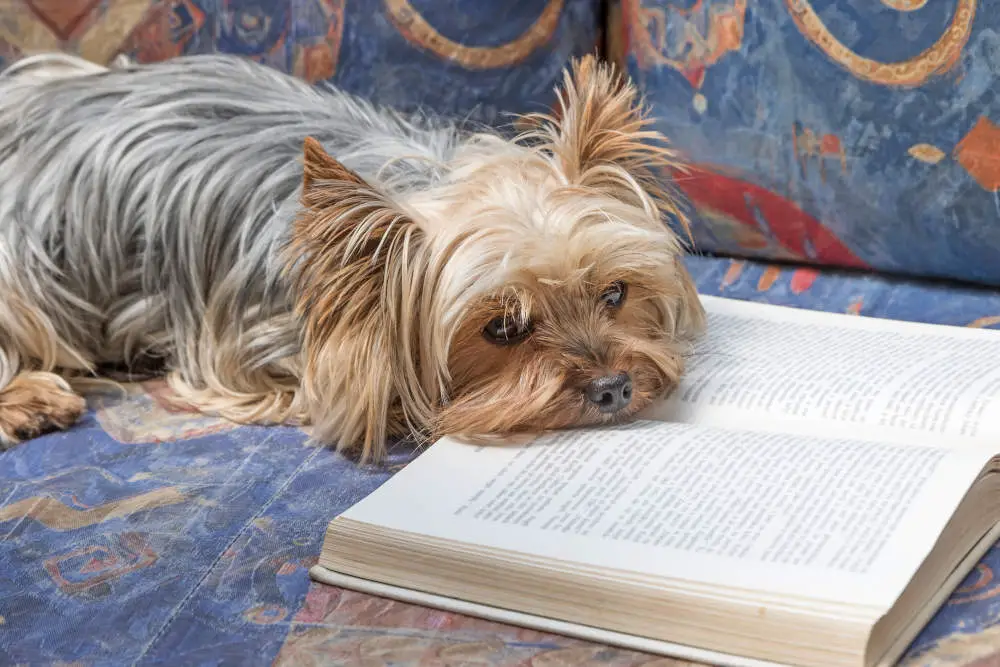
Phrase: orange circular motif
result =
(980, 589)
(418, 31)
(985, 576)
(266, 614)
(940, 57)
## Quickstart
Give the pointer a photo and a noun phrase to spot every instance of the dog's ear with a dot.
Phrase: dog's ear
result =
(317, 165)
(355, 261)
(602, 137)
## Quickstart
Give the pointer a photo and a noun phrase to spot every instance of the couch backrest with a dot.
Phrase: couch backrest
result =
(467, 57)
(845, 132)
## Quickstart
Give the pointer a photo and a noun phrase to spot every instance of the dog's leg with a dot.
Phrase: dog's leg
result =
(35, 402)
(40, 355)
(33, 398)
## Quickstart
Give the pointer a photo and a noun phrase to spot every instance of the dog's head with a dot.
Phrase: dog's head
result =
(536, 287)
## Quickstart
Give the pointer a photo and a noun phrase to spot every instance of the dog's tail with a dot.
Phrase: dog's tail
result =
(57, 65)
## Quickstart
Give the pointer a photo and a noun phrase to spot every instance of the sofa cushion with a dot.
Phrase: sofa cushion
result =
(464, 57)
(844, 132)
(853, 293)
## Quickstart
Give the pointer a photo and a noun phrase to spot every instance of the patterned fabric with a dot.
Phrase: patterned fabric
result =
(464, 57)
(846, 132)
(149, 535)
(154, 536)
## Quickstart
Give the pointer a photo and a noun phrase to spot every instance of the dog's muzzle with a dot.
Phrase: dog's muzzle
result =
(610, 393)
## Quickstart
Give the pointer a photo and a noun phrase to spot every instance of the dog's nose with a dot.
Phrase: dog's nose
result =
(610, 393)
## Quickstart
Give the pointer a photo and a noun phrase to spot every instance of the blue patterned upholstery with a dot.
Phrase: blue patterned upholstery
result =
(151, 535)
(464, 57)
(844, 132)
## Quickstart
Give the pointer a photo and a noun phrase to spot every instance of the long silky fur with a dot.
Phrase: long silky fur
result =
(294, 254)
(144, 211)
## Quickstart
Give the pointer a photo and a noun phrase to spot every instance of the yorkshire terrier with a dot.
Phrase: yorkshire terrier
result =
(287, 253)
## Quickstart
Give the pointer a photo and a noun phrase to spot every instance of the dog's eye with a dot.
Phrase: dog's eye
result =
(614, 296)
(505, 330)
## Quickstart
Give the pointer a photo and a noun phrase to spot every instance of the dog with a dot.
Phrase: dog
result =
(289, 253)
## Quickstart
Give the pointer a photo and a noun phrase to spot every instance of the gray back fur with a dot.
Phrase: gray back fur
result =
(144, 209)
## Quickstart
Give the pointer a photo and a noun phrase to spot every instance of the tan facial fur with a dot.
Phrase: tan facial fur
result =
(576, 338)
(395, 293)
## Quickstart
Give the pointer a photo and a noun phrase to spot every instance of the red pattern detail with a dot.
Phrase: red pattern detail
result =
(829, 144)
(88, 566)
(792, 227)
(695, 75)
(62, 17)
(99, 564)
(165, 31)
(288, 567)
(803, 279)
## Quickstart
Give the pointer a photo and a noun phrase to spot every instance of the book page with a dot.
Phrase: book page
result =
(781, 369)
(830, 519)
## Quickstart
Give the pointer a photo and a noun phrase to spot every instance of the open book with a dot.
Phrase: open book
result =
(810, 494)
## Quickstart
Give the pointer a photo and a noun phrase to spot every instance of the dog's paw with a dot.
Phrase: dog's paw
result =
(35, 403)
